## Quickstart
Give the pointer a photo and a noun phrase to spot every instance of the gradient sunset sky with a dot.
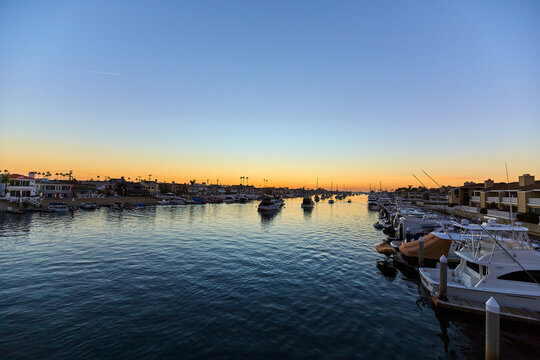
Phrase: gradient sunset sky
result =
(350, 92)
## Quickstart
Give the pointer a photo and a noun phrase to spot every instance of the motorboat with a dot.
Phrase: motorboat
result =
(89, 206)
(378, 226)
(228, 199)
(58, 207)
(269, 204)
(503, 265)
(307, 203)
(163, 202)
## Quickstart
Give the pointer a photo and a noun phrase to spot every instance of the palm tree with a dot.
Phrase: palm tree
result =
(247, 181)
(4, 179)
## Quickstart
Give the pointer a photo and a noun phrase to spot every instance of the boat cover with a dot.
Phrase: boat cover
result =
(385, 248)
(434, 247)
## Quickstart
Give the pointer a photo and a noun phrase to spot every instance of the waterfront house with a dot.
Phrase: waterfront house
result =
(19, 188)
(54, 189)
(85, 191)
(150, 187)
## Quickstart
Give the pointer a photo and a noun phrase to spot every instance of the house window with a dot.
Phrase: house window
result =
(524, 276)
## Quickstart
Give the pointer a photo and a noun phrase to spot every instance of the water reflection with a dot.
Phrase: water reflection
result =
(307, 213)
(218, 279)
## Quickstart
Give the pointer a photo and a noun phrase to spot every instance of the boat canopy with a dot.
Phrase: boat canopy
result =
(434, 247)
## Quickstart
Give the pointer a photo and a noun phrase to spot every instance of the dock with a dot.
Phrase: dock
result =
(514, 314)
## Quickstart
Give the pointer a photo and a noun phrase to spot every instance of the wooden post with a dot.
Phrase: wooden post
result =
(443, 277)
(492, 329)
(408, 235)
(421, 251)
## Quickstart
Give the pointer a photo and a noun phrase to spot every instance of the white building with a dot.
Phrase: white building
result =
(20, 187)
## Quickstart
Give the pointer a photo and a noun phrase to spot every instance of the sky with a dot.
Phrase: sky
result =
(350, 92)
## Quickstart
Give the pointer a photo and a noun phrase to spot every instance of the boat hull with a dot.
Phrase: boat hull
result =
(430, 281)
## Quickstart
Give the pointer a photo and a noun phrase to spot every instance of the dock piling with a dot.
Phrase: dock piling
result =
(443, 277)
(421, 251)
(408, 235)
(492, 329)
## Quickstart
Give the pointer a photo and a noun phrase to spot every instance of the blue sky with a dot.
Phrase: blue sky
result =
(414, 84)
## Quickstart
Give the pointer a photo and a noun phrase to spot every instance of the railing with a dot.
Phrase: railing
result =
(534, 201)
(501, 214)
(509, 200)
(494, 199)
(475, 198)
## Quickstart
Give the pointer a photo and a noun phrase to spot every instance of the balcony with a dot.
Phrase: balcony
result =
(475, 198)
(533, 202)
(501, 214)
(509, 200)
(493, 199)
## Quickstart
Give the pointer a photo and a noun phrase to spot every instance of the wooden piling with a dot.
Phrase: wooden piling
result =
(408, 235)
(443, 277)
(492, 329)
(421, 251)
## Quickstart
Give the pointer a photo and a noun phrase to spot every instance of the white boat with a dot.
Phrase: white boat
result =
(307, 203)
(163, 202)
(58, 207)
(269, 204)
(504, 266)
(89, 206)
(229, 199)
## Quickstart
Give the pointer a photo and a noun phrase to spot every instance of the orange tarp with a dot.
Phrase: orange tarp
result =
(434, 247)
(385, 248)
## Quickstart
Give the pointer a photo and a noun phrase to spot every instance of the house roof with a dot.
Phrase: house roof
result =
(19, 177)
(514, 186)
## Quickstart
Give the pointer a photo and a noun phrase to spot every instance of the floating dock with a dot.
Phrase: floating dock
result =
(521, 315)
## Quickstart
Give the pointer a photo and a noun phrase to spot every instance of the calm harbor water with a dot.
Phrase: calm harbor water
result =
(221, 281)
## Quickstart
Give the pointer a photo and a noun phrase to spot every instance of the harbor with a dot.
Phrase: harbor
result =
(315, 270)
(269, 180)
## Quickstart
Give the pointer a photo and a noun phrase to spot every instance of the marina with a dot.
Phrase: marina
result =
(289, 278)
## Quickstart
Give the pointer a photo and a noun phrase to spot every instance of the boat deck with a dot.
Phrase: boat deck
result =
(522, 315)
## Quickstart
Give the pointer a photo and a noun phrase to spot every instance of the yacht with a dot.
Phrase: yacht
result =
(269, 204)
(58, 207)
(307, 203)
(503, 265)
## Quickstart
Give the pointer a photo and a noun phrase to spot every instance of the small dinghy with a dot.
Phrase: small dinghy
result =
(378, 226)
(396, 244)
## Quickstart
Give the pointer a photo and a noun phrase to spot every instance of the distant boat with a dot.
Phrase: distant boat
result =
(307, 203)
(269, 204)
(228, 199)
(89, 206)
(349, 201)
(316, 198)
(331, 201)
(58, 207)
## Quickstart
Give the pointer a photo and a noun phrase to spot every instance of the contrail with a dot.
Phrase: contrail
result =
(105, 73)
